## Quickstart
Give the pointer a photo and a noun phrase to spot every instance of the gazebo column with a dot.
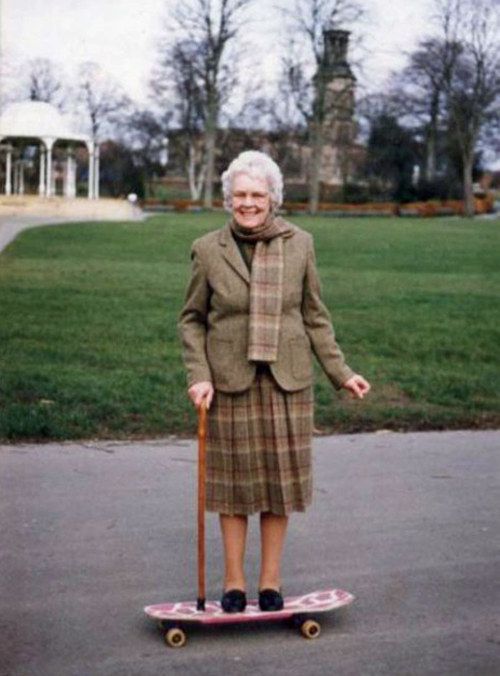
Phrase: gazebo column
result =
(8, 171)
(91, 183)
(53, 189)
(41, 180)
(96, 172)
(18, 177)
(49, 142)
(15, 178)
(67, 169)
(69, 175)
(21, 177)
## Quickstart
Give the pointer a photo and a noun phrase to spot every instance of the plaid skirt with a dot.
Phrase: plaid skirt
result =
(259, 449)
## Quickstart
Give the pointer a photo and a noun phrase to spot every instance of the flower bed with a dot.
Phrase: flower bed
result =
(342, 209)
(482, 205)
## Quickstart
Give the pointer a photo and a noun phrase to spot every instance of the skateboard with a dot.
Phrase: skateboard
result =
(172, 617)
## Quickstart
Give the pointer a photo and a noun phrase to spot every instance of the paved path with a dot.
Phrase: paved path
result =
(92, 532)
(11, 226)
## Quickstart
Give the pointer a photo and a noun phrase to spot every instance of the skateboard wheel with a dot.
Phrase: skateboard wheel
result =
(175, 638)
(310, 629)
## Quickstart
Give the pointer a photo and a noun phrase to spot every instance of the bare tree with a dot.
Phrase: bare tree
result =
(420, 90)
(102, 98)
(308, 76)
(146, 135)
(45, 81)
(176, 86)
(472, 82)
(203, 58)
(36, 79)
(192, 112)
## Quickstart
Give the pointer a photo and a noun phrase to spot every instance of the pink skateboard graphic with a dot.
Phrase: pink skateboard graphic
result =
(171, 615)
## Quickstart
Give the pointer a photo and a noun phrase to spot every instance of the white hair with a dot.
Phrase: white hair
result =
(257, 165)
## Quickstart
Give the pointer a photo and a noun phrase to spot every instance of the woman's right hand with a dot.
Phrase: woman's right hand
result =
(201, 392)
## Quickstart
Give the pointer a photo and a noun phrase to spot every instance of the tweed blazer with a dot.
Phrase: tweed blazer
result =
(214, 321)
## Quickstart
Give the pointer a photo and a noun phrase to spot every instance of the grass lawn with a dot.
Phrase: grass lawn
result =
(89, 344)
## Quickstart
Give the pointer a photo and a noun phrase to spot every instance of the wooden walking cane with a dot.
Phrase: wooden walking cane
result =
(202, 437)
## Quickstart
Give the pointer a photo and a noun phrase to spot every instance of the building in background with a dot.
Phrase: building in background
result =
(342, 155)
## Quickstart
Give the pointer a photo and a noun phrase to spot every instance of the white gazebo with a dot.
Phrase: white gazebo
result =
(35, 123)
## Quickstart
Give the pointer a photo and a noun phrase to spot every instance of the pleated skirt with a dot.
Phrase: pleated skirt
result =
(259, 449)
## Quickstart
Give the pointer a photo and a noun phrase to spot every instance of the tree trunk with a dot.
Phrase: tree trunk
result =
(210, 134)
(468, 192)
(195, 181)
(210, 155)
(191, 170)
(430, 163)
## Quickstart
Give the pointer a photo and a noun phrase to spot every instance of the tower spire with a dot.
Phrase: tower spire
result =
(336, 43)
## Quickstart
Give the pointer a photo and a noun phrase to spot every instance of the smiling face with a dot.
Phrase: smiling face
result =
(251, 200)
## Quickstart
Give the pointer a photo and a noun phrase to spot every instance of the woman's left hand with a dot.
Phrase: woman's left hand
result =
(357, 386)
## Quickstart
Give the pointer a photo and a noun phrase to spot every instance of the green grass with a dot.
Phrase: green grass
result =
(89, 346)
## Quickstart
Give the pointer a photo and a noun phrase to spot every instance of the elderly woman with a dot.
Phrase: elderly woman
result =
(252, 316)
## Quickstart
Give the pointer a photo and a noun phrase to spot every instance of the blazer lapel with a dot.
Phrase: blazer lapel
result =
(232, 254)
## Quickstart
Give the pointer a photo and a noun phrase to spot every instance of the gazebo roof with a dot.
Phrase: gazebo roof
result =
(37, 119)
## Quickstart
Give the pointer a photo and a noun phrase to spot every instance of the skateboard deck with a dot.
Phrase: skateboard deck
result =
(171, 615)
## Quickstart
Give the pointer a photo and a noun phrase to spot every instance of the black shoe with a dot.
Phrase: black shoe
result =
(270, 599)
(234, 601)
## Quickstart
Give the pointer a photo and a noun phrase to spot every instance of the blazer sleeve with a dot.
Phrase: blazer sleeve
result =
(318, 325)
(193, 323)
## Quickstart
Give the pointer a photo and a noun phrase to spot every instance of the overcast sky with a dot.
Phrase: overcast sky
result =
(120, 35)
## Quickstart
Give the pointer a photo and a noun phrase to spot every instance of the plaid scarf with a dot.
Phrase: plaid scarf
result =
(266, 286)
